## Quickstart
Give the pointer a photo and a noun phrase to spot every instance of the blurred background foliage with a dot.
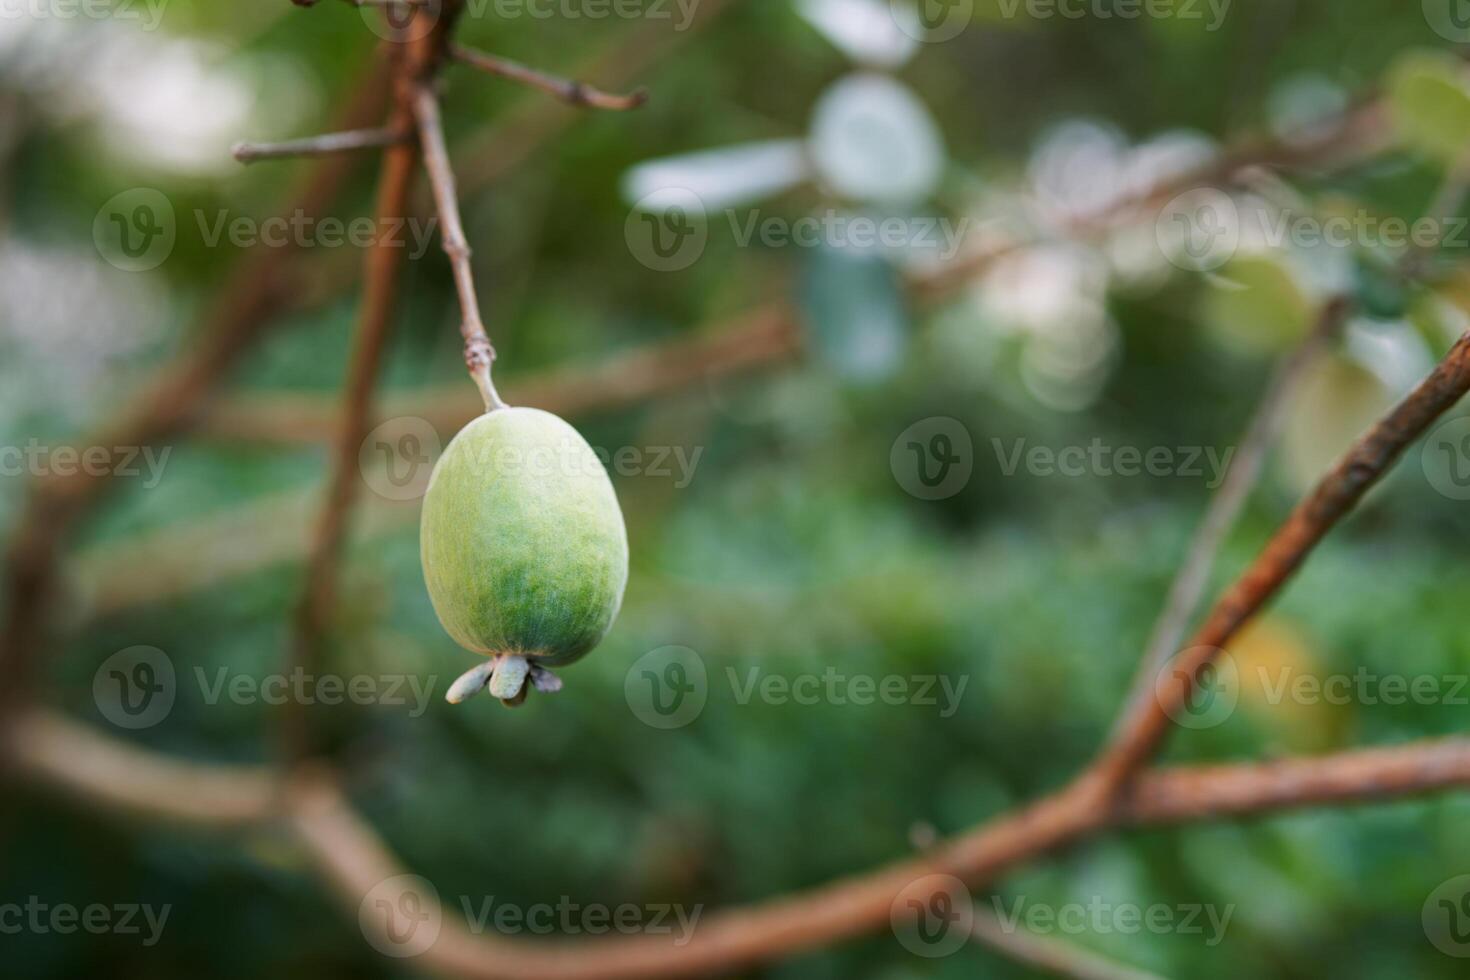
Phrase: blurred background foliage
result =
(794, 548)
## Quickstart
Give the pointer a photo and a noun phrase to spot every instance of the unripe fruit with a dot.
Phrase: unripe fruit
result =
(524, 550)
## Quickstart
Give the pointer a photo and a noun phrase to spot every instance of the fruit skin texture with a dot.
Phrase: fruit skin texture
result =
(522, 540)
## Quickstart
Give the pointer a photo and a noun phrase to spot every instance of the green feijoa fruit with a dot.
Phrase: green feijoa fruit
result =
(524, 550)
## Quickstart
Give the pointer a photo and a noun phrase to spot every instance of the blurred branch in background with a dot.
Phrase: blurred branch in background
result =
(294, 418)
(99, 771)
(258, 291)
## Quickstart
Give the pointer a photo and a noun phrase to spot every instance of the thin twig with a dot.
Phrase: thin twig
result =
(1146, 722)
(1240, 479)
(323, 145)
(382, 269)
(479, 354)
(570, 91)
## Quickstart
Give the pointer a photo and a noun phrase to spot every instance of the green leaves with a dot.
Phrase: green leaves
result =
(1429, 97)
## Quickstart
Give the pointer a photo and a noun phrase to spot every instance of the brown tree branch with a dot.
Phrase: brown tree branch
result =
(260, 287)
(568, 90)
(479, 354)
(100, 772)
(382, 270)
(1146, 722)
(1225, 506)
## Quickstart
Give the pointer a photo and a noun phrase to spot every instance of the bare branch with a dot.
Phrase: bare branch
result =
(324, 145)
(347, 852)
(261, 286)
(479, 354)
(382, 268)
(1241, 478)
(1147, 719)
(568, 90)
